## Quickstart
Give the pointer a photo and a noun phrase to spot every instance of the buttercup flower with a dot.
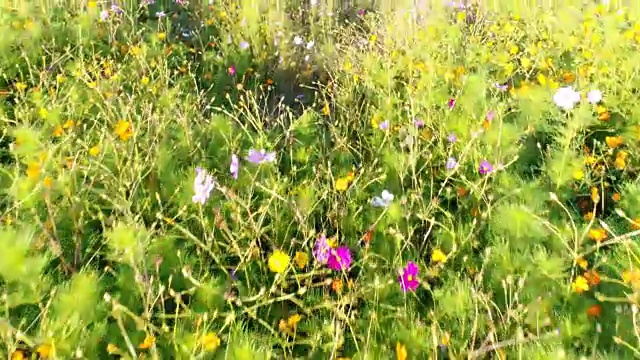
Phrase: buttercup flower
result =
(485, 167)
(580, 285)
(235, 166)
(278, 261)
(566, 98)
(339, 259)
(383, 200)
(594, 96)
(202, 186)
(210, 342)
(301, 259)
(261, 156)
(438, 256)
(408, 278)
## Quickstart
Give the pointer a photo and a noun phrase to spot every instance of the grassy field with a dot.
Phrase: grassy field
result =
(272, 180)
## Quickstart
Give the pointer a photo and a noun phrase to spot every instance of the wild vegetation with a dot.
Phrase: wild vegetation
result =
(277, 180)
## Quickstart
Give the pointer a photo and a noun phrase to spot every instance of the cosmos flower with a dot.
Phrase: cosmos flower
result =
(235, 166)
(261, 156)
(339, 259)
(594, 96)
(566, 98)
(485, 167)
(409, 277)
(383, 200)
(202, 186)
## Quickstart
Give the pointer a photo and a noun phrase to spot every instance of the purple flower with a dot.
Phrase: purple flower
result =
(321, 250)
(485, 167)
(490, 115)
(261, 156)
(500, 87)
(339, 259)
(452, 138)
(419, 123)
(244, 45)
(409, 277)
(232, 70)
(451, 163)
(104, 15)
(235, 166)
(384, 125)
(451, 103)
(202, 186)
(160, 14)
(361, 12)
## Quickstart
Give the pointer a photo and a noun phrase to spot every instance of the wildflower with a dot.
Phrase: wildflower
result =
(244, 45)
(621, 160)
(202, 186)
(94, 150)
(616, 197)
(261, 156)
(635, 224)
(578, 174)
(235, 166)
(631, 277)
(401, 352)
(123, 130)
(451, 103)
(301, 259)
(112, 349)
(488, 119)
(384, 125)
(289, 326)
(568, 77)
(592, 277)
(210, 342)
(44, 351)
(148, 342)
(582, 263)
(104, 15)
(501, 87)
(18, 355)
(310, 45)
(418, 123)
(438, 256)
(339, 259)
(594, 310)
(613, 141)
(580, 285)
(598, 235)
(297, 40)
(383, 200)
(451, 163)
(594, 96)
(321, 250)
(278, 261)
(408, 278)
(33, 170)
(232, 70)
(452, 138)
(595, 194)
(337, 285)
(485, 167)
(566, 98)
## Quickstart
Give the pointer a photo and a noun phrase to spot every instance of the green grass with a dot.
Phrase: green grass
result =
(103, 251)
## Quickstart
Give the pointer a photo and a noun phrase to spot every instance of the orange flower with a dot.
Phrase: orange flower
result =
(462, 191)
(616, 197)
(614, 141)
(337, 285)
(598, 235)
(594, 310)
(592, 277)
(568, 77)
(605, 116)
(635, 224)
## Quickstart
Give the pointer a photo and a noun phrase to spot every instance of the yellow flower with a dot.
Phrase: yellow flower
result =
(580, 285)
(148, 342)
(620, 163)
(301, 259)
(94, 150)
(525, 62)
(401, 351)
(598, 235)
(48, 182)
(590, 160)
(44, 113)
(18, 355)
(58, 131)
(210, 342)
(123, 130)
(278, 261)
(438, 256)
(578, 174)
(289, 326)
(325, 109)
(614, 141)
(631, 277)
(112, 349)
(33, 170)
(44, 351)
(542, 80)
(162, 36)
(595, 195)
(582, 263)
(20, 86)
(342, 184)
(145, 80)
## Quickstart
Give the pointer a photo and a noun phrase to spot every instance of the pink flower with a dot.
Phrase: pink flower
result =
(232, 70)
(339, 259)
(409, 277)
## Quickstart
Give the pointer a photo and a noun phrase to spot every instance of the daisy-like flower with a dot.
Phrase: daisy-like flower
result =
(383, 200)
(339, 259)
(409, 277)
(297, 40)
(202, 186)
(261, 156)
(566, 98)
(485, 167)
(594, 96)
(235, 166)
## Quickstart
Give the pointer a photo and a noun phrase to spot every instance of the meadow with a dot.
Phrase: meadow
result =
(278, 180)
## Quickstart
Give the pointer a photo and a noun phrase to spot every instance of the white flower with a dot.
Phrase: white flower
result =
(566, 98)
(594, 96)
(297, 40)
(383, 200)
(310, 45)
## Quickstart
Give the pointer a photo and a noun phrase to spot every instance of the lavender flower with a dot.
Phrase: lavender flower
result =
(501, 87)
(594, 96)
(202, 186)
(485, 167)
(321, 250)
(451, 163)
(244, 45)
(418, 123)
(235, 166)
(383, 200)
(384, 125)
(452, 138)
(261, 156)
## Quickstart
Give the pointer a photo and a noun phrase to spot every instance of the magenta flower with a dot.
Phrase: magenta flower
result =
(452, 103)
(321, 250)
(232, 70)
(261, 156)
(235, 166)
(339, 259)
(409, 277)
(485, 167)
(419, 123)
